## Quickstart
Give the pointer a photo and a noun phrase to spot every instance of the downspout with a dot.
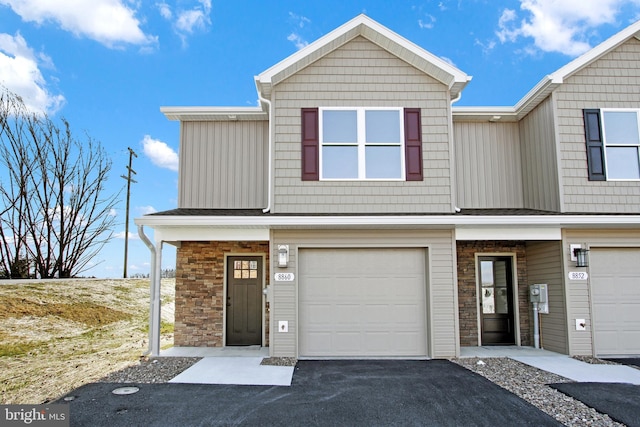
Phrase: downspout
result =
(266, 101)
(456, 209)
(454, 194)
(154, 304)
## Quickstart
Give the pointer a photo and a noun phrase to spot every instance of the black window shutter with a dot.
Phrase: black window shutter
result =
(595, 145)
(413, 144)
(310, 145)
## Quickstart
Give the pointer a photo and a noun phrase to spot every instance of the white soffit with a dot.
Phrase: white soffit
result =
(503, 233)
(214, 113)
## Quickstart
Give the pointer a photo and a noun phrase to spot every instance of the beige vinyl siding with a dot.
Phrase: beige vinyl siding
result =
(613, 81)
(223, 164)
(544, 265)
(442, 333)
(578, 292)
(488, 165)
(361, 74)
(539, 159)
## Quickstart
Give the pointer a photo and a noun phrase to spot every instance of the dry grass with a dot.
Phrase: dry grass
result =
(56, 336)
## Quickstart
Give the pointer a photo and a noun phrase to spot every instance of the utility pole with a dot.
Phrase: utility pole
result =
(126, 224)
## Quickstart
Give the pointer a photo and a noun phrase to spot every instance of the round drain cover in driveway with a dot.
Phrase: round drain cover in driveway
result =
(125, 390)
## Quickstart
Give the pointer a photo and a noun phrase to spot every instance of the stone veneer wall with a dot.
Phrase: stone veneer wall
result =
(467, 303)
(199, 306)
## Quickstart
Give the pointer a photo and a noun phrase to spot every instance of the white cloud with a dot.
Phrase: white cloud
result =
(113, 212)
(146, 210)
(297, 40)
(165, 10)
(121, 235)
(300, 20)
(428, 22)
(20, 73)
(187, 21)
(559, 26)
(109, 22)
(160, 153)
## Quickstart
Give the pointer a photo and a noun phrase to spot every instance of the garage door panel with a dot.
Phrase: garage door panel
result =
(615, 289)
(374, 302)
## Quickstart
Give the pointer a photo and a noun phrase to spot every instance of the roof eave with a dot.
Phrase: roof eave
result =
(275, 221)
(214, 113)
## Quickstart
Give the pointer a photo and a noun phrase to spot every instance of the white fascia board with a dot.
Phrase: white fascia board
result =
(269, 221)
(456, 74)
(180, 113)
(185, 233)
(509, 233)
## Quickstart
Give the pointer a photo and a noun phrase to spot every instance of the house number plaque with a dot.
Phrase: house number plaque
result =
(578, 275)
(284, 277)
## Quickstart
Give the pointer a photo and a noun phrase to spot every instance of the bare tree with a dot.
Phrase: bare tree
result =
(55, 207)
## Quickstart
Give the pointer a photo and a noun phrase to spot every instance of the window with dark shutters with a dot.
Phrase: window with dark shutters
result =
(413, 144)
(595, 145)
(310, 145)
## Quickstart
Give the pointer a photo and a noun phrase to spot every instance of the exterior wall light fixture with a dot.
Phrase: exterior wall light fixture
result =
(581, 257)
(283, 255)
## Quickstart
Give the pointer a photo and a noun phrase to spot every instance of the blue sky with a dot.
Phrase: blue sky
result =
(107, 66)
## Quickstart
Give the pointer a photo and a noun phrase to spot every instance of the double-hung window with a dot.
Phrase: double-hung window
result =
(361, 144)
(621, 137)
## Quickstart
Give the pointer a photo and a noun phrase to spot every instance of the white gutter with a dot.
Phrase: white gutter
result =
(154, 304)
(266, 101)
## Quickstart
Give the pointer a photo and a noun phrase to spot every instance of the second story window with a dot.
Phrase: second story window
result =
(362, 144)
(621, 137)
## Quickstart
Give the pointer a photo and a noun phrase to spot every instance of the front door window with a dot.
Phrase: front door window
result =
(496, 300)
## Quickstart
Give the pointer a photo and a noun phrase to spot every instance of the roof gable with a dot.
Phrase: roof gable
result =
(364, 26)
(550, 82)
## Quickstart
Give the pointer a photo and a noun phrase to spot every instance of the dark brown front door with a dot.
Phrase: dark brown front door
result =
(496, 301)
(244, 300)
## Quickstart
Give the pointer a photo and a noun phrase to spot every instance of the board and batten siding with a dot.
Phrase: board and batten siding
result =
(544, 265)
(578, 291)
(613, 81)
(442, 315)
(361, 74)
(488, 165)
(223, 164)
(541, 188)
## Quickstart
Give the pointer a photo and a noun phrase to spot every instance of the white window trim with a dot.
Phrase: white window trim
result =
(605, 144)
(361, 143)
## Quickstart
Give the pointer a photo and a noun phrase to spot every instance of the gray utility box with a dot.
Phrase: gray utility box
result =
(539, 293)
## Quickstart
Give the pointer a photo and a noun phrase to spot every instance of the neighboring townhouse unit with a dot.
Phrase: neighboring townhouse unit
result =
(357, 213)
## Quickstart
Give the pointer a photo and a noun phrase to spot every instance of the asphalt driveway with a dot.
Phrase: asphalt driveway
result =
(323, 393)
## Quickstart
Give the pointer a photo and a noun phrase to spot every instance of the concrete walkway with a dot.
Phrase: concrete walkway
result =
(230, 365)
(559, 364)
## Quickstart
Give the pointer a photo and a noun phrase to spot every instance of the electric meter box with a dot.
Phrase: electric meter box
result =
(539, 293)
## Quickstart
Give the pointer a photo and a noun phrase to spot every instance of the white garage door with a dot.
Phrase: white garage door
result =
(615, 287)
(362, 302)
